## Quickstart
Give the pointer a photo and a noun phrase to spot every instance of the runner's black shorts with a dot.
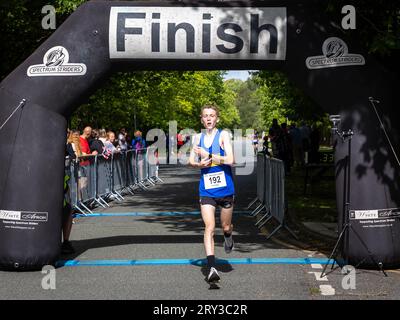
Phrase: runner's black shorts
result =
(224, 202)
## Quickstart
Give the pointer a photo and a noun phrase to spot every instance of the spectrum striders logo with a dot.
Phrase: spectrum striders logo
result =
(336, 54)
(55, 63)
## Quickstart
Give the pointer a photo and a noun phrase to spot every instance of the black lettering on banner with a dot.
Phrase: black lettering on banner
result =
(255, 35)
(237, 41)
(155, 34)
(122, 30)
(206, 34)
(173, 28)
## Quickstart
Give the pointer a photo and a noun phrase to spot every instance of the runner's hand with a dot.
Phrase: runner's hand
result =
(201, 152)
(204, 163)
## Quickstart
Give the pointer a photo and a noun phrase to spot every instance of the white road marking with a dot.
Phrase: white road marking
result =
(327, 290)
(318, 276)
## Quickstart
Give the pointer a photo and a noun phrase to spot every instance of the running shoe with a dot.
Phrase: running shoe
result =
(213, 275)
(228, 244)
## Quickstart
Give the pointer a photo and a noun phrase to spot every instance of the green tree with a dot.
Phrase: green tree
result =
(248, 102)
(155, 98)
(282, 100)
(21, 28)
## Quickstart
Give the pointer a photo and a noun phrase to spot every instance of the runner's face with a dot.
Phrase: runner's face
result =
(209, 118)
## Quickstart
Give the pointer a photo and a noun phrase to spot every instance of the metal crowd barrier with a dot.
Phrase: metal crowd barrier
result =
(270, 200)
(96, 180)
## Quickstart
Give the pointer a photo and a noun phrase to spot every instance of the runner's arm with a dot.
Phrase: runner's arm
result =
(194, 156)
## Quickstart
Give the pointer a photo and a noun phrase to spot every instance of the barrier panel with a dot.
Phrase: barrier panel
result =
(260, 172)
(270, 192)
(152, 160)
(87, 181)
(118, 165)
(104, 179)
(96, 180)
(277, 179)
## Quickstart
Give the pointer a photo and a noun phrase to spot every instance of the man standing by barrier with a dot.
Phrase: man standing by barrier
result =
(214, 150)
(83, 172)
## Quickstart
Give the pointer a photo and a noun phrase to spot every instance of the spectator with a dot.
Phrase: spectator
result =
(265, 149)
(84, 142)
(128, 141)
(279, 143)
(74, 152)
(255, 142)
(84, 164)
(103, 136)
(180, 140)
(95, 143)
(287, 156)
(138, 142)
(73, 147)
(123, 146)
(275, 136)
(315, 137)
(109, 144)
(298, 153)
(305, 138)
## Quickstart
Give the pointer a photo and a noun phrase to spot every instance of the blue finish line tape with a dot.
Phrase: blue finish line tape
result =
(147, 214)
(196, 262)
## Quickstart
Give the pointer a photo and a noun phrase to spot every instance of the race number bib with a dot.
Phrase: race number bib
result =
(214, 180)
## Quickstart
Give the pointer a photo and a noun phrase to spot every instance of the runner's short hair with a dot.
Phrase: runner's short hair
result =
(209, 106)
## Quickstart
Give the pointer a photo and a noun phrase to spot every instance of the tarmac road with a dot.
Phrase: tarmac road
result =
(160, 257)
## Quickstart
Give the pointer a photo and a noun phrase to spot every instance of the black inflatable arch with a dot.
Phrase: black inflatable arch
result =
(101, 37)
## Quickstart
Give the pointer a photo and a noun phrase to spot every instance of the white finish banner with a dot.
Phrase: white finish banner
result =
(198, 33)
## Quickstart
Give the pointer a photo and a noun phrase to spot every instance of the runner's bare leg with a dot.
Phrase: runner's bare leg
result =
(208, 215)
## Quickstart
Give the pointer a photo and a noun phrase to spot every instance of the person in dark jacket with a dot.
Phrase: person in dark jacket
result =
(95, 143)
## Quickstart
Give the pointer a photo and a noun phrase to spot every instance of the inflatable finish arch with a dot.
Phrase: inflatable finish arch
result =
(101, 37)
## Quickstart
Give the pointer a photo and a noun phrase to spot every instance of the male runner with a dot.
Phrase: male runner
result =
(213, 148)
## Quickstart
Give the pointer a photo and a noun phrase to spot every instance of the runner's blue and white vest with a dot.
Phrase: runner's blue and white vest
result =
(215, 181)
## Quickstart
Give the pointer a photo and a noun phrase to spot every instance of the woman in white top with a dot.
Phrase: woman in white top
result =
(109, 144)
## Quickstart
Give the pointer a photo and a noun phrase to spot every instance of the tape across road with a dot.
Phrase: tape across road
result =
(196, 262)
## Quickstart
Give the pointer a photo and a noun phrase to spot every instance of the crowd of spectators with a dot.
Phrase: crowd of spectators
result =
(295, 146)
(91, 142)
(80, 146)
